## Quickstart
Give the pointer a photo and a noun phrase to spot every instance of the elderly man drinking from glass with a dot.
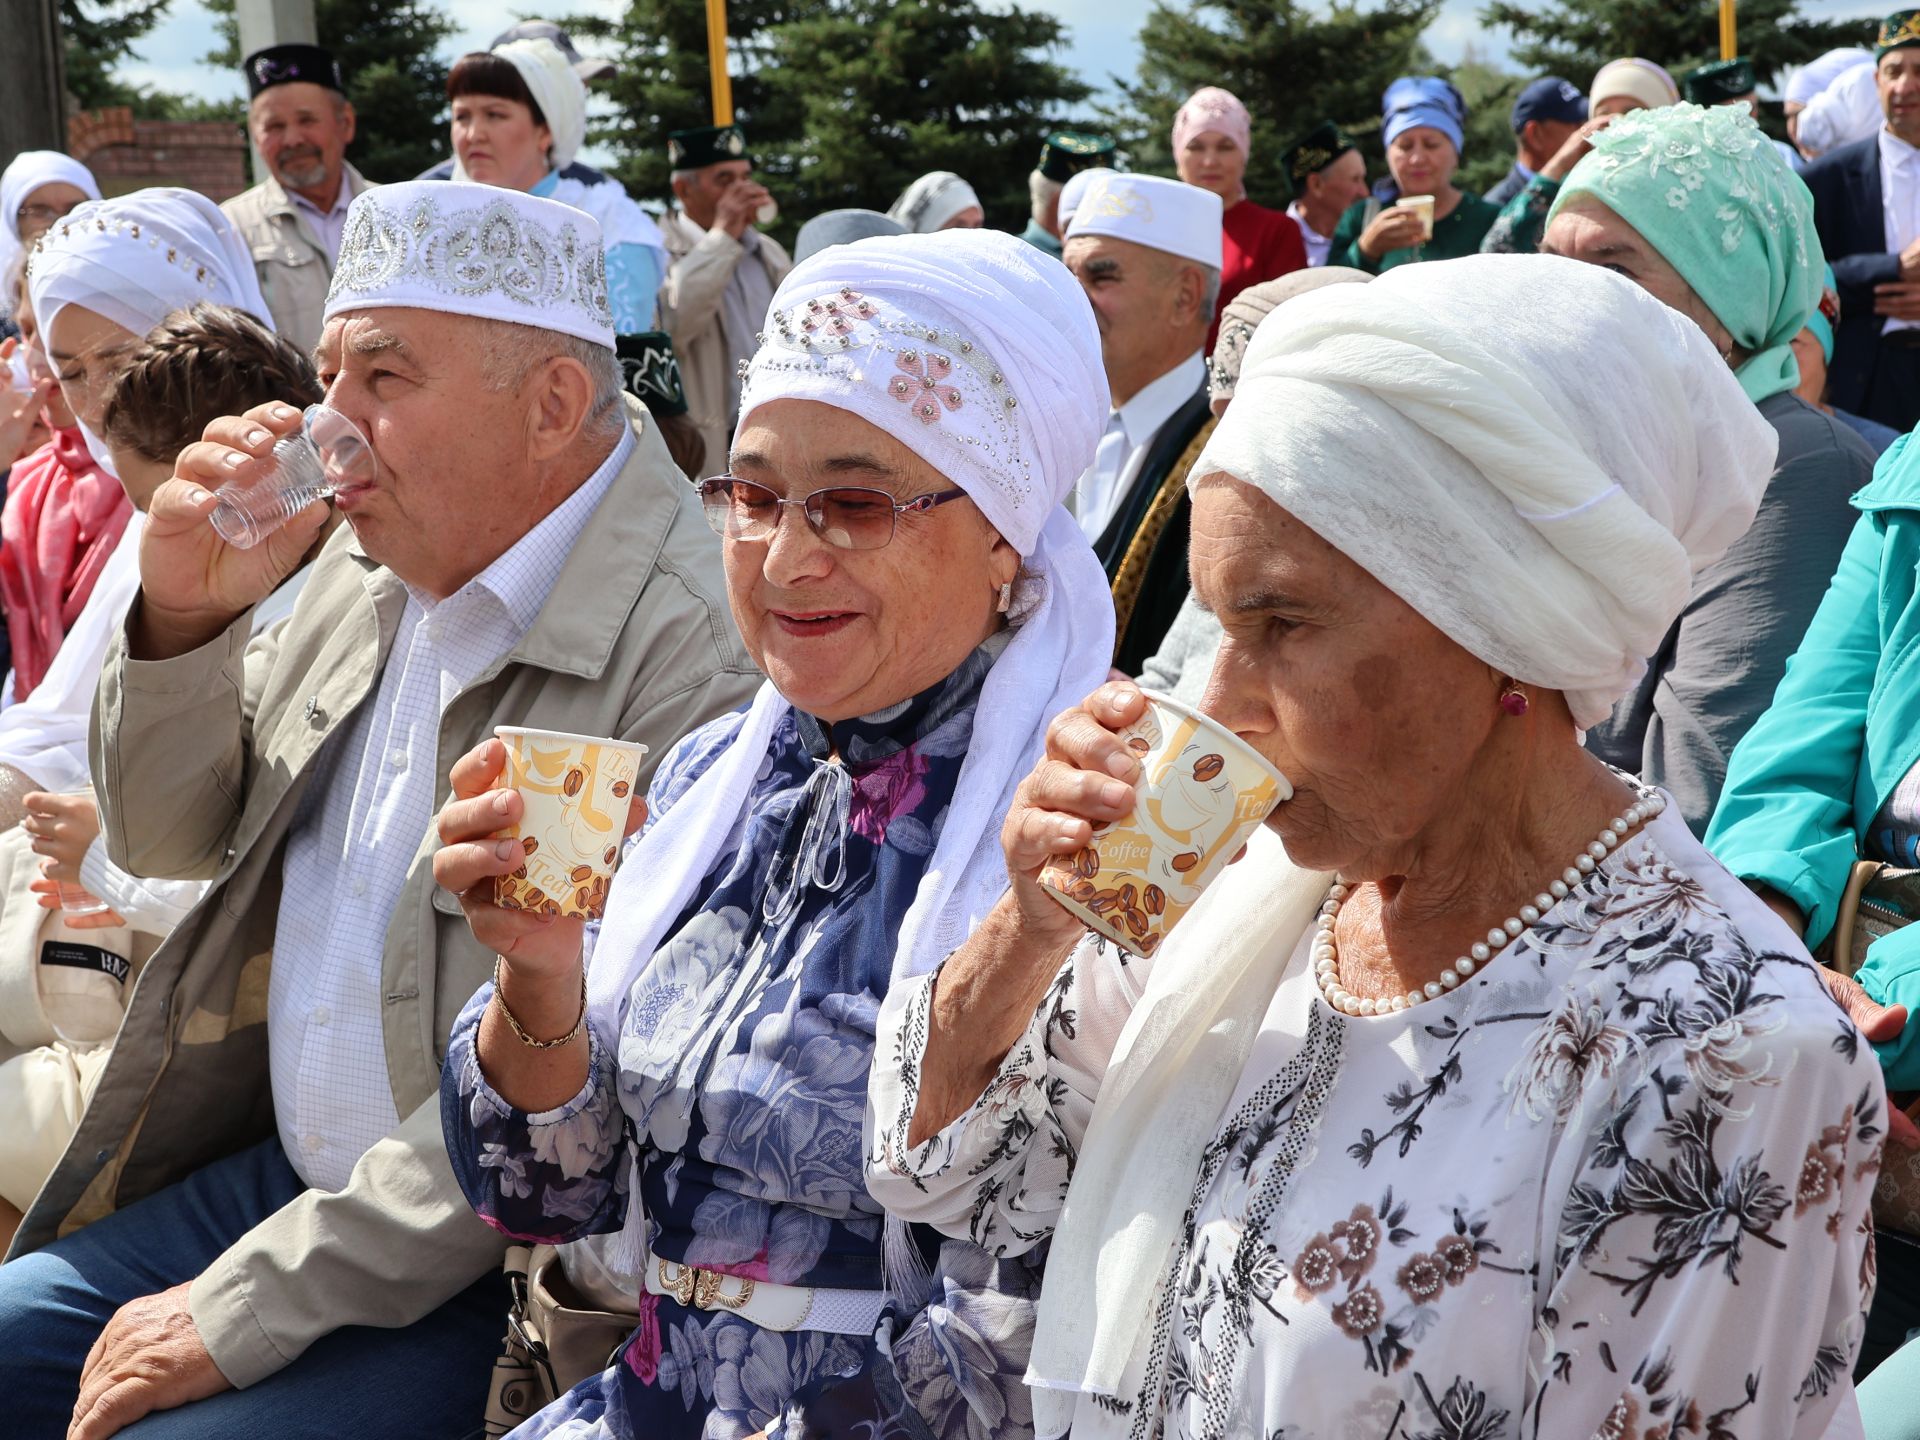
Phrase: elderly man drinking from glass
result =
(256, 1220)
(902, 568)
(1477, 1099)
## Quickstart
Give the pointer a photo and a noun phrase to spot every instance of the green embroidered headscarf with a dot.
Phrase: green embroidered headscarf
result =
(1710, 192)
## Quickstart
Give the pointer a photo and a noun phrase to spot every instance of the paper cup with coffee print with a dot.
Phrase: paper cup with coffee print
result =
(1202, 792)
(576, 790)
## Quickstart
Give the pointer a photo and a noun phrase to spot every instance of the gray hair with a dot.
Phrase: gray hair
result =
(1210, 301)
(1042, 192)
(513, 351)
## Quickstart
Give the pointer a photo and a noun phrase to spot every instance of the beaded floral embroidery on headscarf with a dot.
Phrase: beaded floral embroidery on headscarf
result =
(935, 371)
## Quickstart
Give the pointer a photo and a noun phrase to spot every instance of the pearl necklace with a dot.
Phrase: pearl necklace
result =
(1326, 957)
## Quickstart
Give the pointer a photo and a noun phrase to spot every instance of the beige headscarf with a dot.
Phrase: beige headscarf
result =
(1252, 305)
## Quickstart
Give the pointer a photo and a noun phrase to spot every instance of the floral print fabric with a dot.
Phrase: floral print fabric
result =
(738, 1086)
(1616, 1184)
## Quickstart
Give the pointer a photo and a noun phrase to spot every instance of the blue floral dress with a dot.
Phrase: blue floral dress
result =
(739, 1085)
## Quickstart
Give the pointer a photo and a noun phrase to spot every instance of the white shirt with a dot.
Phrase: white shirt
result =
(365, 816)
(1099, 492)
(329, 225)
(1317, 244)
(1899, 200)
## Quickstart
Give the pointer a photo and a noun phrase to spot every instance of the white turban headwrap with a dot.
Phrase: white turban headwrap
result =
(1816, 75)
(138, 258)
(932, 200)
(1536, 455)
(980, 354)
(1577, 449)
(1848, 110)
(27, 172)
(557, 89)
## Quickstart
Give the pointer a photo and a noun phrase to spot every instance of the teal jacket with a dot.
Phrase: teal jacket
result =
(1805, 784)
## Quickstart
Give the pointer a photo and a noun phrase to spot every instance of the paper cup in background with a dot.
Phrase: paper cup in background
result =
(1421, 205)
(1202, 792)
(576, 789)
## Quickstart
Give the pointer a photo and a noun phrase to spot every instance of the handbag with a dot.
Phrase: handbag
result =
(1878, 900)
(554, 1338)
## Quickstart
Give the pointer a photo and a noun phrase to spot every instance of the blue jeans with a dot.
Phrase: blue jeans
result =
(425, 1382)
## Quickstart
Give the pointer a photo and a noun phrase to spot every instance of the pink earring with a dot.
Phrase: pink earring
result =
(1513, 700)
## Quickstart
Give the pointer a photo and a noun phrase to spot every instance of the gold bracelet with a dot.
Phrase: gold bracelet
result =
(519, 1030)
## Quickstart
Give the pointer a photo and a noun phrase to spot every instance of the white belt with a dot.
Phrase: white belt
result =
(770, 1306)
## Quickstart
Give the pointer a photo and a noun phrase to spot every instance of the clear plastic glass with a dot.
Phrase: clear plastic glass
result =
(328, 453)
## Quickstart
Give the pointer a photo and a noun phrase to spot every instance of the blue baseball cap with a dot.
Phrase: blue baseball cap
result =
(1551, 99)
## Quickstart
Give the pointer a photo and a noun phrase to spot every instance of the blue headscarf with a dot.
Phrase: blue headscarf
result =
(1415, 100)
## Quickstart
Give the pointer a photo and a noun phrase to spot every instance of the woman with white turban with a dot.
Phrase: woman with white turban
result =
(37, 188)
(519, 118)
(1476, 1099)
(902, 569)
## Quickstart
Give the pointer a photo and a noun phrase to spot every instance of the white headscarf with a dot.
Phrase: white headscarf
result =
(135, 260)
(138, 258)
(557, 90)
(1816, 75)
(1846, 111)
(981, 355)
(933, 200)
(29, 170)
(1537, 456)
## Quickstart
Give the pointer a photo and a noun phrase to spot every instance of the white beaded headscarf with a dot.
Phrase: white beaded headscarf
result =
(981, 355)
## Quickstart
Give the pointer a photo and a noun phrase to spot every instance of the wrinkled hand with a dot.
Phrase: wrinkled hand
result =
(19, 411)
(192, 583)
(61, 828)
(738, 205)
(1575, 149)
(1879, 1023)
(1084, 780)
(1899, 300)
(150, 1357)
(472, 854)
(1393, 228)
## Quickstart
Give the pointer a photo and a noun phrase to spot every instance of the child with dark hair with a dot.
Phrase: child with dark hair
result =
(194, 367)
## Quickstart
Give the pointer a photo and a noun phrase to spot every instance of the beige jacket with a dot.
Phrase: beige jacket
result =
(703, 262)
(294, 267)
(201, 763)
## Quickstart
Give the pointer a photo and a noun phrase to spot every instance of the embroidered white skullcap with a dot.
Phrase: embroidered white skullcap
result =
(973, 349)
(1075, 190)
(479, 250)
(1167, 215)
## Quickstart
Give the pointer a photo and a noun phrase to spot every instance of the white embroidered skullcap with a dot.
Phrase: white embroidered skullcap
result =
(972, 348)
(479, 250)
(1533, 453)
(1166, 215)
(1075, 190)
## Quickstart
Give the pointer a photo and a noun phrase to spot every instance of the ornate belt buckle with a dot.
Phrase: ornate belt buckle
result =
(699, 1289)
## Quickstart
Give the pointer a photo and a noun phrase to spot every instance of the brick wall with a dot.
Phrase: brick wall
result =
(127, 154)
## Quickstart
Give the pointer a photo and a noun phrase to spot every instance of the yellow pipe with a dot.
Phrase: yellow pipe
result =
(1729, 46)
(723, 82)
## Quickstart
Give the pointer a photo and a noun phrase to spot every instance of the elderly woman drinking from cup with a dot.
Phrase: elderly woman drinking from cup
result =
(1490, 1104)
(902, 569)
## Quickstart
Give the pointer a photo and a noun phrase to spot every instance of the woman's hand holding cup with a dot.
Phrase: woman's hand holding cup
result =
(541, 950)
(1085, 780)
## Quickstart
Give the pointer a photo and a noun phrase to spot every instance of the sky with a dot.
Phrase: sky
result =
(1101, 35)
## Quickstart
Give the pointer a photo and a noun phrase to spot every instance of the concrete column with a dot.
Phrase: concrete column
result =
(272, 22)
(33, 107)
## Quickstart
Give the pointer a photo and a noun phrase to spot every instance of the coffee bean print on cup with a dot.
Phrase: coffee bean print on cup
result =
(1202, 792)
(574, 790)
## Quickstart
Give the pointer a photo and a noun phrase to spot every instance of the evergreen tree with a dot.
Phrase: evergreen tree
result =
(1574, 38)
(99, 35)
(844, 102)
(395, 78)
(886, 90)
(1292, 65)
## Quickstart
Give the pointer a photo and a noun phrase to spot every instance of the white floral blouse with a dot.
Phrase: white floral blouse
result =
(1616, 1185)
